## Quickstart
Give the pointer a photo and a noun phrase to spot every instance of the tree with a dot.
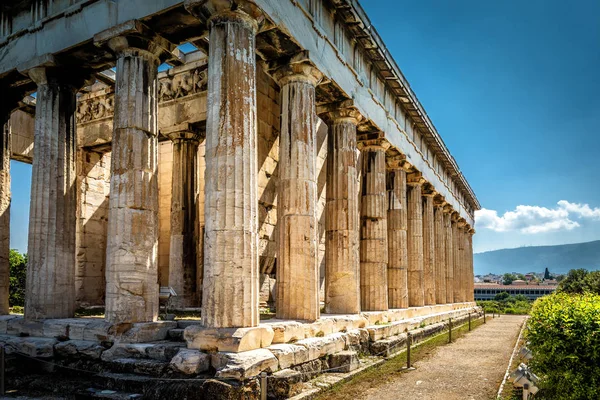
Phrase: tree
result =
(546, 274)
(521, 297)
(507, 278)
(502, 296)
(18, 271)
(579, 281)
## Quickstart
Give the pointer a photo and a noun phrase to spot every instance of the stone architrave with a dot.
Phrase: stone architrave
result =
(4, 212)
(440, 253)
(182, 253)
(416, 290)
(449, 249)
(373, 230)
(230, 292)
(132, 245)
(397, 236)
(342, 261)
(50, 288)
(297, 260)
(429, 262)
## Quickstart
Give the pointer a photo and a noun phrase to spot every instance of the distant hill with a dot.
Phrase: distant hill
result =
(558, 259)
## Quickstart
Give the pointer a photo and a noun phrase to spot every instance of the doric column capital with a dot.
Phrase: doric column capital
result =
(415, 179)
(428, 190)
(214, 12)
(134, 38)
(298, 69)
(440, 202)
(448, 209)
(374, 142)
(340, 112)
(185, 131)
(46, 70)
(461, 223)
(471, 231)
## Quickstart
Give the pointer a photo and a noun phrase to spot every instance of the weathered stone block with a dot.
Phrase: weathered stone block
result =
(244, 365)
(289, 355)
(4, 319)
(228, 339)
(190, 362)
(322, 346)
(309, 369)
(143, 332)
(218, 390)
(284, 384)
(344, 361)
(79, 348)
(286, 331)
(31, 346)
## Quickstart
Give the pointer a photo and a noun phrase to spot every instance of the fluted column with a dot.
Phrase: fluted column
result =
(397, 269)
(449, 250)
(416, 290)
(457, 254)
(50, 288)
(297, 262)
(4, 211)
(440, 253)
(230, 283)
(429, 270)
(373, 230)
(342, 262)
(471, 292)
(182, 253)
(132, 245)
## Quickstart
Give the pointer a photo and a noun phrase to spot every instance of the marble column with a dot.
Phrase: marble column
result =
(429, 270)
(230, 282)
(462, 239)
(416, 290)
(397, 268)
(297, 262)
(456, 251)
(132, 245)
(471, 293)
(373, 230)
(50, 287)
(342, 262)
(4, 211)
(182, 253)
(440, 253)
(449, 250)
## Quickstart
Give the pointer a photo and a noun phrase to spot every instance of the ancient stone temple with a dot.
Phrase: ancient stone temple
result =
(250, 155)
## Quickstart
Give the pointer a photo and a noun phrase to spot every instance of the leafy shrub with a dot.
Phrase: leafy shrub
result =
(18, 270)
(509, 305)
(564, 336)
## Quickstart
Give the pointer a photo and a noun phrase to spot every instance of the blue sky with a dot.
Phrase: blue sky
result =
(512, 87)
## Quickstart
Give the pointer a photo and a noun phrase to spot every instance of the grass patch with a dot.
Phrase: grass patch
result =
(391, 369)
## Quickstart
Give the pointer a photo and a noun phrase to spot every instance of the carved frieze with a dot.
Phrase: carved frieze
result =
(171, 87)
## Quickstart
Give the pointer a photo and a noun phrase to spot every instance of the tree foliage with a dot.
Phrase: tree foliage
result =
(564, 336)
(579, 281)
(18, 270)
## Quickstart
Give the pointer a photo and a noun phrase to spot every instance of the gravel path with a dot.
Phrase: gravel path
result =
(470, 368)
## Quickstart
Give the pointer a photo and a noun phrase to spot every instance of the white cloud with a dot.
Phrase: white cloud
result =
(535, 219)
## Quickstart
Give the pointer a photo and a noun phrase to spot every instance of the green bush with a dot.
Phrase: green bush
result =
(580, 281)
(18, 271)
(564, 336)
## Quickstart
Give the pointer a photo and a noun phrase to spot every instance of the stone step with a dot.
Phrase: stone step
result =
(95, 393)
(184, 323)
(152, 388)
(160, 351)
(139, 366)
(177, 335)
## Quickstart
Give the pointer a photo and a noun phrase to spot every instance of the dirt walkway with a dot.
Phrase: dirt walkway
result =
(470, 368)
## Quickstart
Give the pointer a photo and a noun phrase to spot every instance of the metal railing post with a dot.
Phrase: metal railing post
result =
(449, 330)
(469, 322)
(263, 386)
(408, 345)
(2, 388)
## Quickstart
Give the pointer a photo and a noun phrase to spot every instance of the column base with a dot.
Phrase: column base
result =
(233, 340)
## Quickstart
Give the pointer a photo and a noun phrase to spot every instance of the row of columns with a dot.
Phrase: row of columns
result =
(389, 242)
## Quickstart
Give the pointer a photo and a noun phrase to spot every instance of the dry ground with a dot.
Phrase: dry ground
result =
(470, 368)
